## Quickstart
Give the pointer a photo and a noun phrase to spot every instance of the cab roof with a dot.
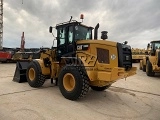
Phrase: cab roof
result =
(73, 22)
(155, 41)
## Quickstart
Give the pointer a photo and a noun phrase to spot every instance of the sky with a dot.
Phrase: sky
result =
(135, 21)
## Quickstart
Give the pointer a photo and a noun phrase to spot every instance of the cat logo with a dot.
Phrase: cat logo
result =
(113, 56)
(79, 47)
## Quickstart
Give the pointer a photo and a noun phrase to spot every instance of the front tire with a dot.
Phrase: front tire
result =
(34, 76)
(73, 82)
(149, 70)
(97, 88)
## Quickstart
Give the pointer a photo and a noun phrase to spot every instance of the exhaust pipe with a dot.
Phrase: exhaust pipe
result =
(96, 32)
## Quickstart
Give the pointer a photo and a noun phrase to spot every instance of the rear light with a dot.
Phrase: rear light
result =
(81, 16)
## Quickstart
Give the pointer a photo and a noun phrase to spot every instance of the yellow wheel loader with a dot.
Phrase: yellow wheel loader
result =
(142, 65)
(79, 62)
(151, 62)
(138, 54)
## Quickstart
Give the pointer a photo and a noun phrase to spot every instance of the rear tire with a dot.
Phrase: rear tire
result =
(73, 82)
(34, 76)
(149, 70)
(96, 88)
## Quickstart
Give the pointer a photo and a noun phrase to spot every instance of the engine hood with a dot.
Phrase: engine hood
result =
(103, 42)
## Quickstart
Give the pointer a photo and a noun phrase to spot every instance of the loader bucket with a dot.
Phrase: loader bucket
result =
(20, 72)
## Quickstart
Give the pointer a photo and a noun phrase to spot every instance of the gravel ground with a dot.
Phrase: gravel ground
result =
(136, 98)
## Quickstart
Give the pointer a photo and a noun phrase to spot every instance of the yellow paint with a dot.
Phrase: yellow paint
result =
(32, 74)
(101, 42)
(69, 82)
(100, 74)
(45, 70)
(154, 61)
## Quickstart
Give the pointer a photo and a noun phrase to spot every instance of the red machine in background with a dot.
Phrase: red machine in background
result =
(22, 42)
(6, 54)
(19, 54)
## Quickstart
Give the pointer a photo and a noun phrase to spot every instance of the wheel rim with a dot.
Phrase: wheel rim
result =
(69, 82)
(31, 74)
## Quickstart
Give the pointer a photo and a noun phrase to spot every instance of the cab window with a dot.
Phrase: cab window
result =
(70, 34)
(82, 33)
(62, 33)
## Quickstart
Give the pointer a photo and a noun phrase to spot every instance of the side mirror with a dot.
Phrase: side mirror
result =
(50, 29)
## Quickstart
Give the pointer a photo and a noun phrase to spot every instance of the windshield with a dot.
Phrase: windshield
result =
(82, 33)
(157, 45)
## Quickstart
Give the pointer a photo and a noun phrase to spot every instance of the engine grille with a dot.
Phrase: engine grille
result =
(124, 56)
(103, 55)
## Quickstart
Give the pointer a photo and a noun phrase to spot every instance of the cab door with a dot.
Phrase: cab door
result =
(61, 42)
(64, 41)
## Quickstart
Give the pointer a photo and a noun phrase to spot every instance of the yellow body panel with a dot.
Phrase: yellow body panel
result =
(154, 62)
(102, 42)
(45, 70)
(109, 76)
(99, 73)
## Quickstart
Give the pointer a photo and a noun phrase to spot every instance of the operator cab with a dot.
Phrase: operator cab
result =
(67, 35)
(154, 46)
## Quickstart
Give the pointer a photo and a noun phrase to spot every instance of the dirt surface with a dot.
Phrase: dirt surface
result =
(136, 98)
